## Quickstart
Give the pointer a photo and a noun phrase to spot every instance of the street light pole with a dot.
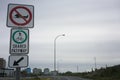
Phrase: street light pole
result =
(55, 50)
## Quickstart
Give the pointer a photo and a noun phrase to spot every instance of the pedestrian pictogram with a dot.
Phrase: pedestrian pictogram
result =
(19, 41)
(18, 61)
(20, 16)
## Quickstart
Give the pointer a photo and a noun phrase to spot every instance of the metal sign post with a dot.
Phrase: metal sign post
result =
(17, 73)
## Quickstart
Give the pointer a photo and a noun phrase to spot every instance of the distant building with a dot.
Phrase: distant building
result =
(54, 73)
(10, 72)
(28, 70)
(5, 72)
(37, 71)
(2, 63)
(46, 71)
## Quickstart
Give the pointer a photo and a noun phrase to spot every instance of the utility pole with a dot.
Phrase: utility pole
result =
(77, 68)
(95, 63)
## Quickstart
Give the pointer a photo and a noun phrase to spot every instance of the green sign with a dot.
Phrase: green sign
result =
(19, 36)
(19, 42)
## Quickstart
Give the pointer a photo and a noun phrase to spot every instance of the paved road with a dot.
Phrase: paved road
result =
(68, 78)
(53, 78)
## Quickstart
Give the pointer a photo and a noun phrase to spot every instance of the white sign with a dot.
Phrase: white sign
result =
(19, 41)
(20, 16)
(18, 61)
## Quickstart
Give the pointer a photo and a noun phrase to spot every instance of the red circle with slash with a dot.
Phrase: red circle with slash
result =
(19, 14)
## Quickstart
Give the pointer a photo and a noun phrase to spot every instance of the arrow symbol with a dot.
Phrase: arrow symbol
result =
(18, 61)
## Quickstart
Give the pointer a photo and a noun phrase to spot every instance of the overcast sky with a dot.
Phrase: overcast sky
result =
(91, 29)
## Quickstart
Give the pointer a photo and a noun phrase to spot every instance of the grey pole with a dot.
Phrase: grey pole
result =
(17, 73)
(95, 63)
(55, 50)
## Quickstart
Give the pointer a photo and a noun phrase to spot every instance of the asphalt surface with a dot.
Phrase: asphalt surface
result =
(53, 78)
(68, 78)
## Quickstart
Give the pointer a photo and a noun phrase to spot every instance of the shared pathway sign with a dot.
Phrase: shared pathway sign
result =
(19, 41)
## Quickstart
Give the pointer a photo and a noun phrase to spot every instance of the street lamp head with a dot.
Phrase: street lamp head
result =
(63, 34)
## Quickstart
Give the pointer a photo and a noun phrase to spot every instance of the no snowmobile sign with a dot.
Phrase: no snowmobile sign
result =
(20, 16)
